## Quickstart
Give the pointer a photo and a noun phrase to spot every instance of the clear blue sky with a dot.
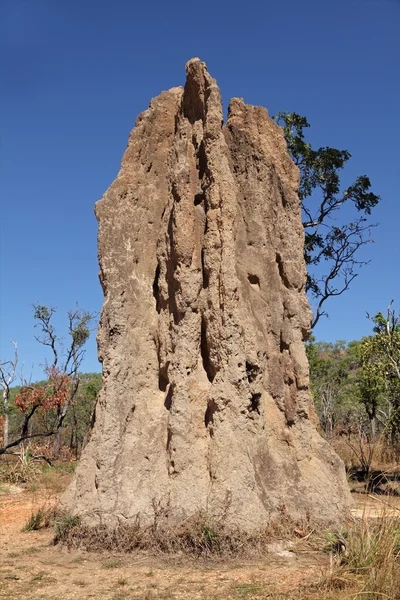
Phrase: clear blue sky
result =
(75, 74)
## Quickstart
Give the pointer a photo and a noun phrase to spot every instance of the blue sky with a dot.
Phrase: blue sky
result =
(74, 76)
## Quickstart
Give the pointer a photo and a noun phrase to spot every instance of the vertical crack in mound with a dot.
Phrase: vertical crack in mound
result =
(170, 451)
(252, 371)
(209, 416)
(102, 279)
(206, 276)
(201, 160)
(163, 380)
(254, 405)
(169, 397)
(201, 156)
(169, 439)
(199, 199)
(281, 270)
(156, 288)
(172, 264)
(205, 352)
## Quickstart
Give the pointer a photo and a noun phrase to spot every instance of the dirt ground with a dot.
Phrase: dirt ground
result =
(32, 568)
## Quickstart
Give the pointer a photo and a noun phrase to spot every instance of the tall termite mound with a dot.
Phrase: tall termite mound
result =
(205, 404)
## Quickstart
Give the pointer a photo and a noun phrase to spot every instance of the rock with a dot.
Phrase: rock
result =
(205, 404)
(281, 549)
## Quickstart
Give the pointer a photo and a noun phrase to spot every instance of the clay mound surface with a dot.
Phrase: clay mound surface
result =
(205, 405)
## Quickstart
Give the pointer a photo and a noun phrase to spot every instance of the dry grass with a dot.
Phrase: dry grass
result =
(41, 518)
(43, 484)
(198, 536)
(365, 558)
(23, 469)
(381, 455)
(18, 469)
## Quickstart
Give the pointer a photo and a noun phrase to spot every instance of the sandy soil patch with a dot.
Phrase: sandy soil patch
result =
(31, 568)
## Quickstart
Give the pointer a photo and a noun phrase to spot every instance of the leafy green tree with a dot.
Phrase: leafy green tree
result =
(328, 241)
(334, 377)
(380, 373)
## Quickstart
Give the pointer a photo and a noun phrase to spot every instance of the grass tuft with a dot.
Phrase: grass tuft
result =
(63, 525)
(366, 556)
(39, 519)
(35, 521)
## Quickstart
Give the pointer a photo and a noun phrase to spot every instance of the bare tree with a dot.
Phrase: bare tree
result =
(67, 360)
(62, 371)
(8, 373)
(340, 250)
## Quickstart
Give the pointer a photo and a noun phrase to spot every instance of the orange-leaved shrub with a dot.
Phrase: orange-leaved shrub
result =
(55, 392)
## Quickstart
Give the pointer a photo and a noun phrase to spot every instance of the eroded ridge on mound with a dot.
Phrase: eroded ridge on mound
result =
(205, 405)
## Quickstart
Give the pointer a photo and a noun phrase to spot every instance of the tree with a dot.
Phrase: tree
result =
(80, 418)
(8, 373)
(54, 396)
(334, 378)
(326, 241)
(380, 371)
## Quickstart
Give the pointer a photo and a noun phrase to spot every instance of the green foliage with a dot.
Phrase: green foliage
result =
(320, 169)
(210, 536)
(43, 315)
(356, 385)
(334, 372)
(333, 244)
(80, 418)
(81, 332)
(380, 373)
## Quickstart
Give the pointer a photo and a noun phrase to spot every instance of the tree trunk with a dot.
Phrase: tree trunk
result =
(57, 443)
(373, 428)
(5, 429)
